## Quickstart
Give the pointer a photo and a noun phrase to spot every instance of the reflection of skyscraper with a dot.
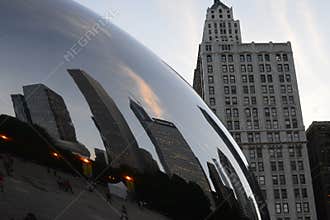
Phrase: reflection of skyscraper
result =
(20, 107)
(120, 143)
(48, 110)
(245, 202)
(173, 151)
(43, 107)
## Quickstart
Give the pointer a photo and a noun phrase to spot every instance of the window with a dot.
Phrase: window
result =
(284, 194)
(278, 57)
(245, 89)
(234, 100)
(226, 90)
(278, 208)
(291, 100)
(272, 100)
(293, 165)
(282, 180)
(276, 193)
(265, 100)
(225, 79)
(279, 68)
(273, 165)
(284, 100)
(244, 78)
(288, 78)
(285, 57)
(285, 207)
(233, 89)
(286, 68)
(268, 68)
(296, 193)
(259, 152)
(260, 58)
(211, 90)
(290, 89)
(267, 57)
(230, 125)
(281, 78)
(271, 89)
(223, 58)
(300, 165)
(236, 125)
(264, 89)
(224, 68)
(209, 68)
(280, 165)
(242, 58)
(252, 90)
(253, 166)
(231, 68)
(232, 79)
(263, 78)
(262, 180)
(246, 101)
(250, 68)
(283, 89)
(243, 68)
(291, 151)
(230, 58)
(298, 207)
(270, 78)
(302, 179)
(306, 206)
(227, 100)
(260, 166)
(274, 112)
(208, 47)
(210, 79)
(209, 58)
(248, 58)
(251, 79)
(261, 68)
(235, 113)
(212, 101)
(228, 113)
(275, 179)
(304, 193)
(253, 100)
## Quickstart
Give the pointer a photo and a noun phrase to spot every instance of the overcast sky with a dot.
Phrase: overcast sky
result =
(173, 29)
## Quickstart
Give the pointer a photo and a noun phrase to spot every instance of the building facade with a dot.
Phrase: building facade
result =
(318, 144)
(252, 88)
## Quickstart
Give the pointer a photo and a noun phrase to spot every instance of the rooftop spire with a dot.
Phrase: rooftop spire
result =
(217, 3)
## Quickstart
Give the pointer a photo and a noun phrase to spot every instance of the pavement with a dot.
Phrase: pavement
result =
(33, 189)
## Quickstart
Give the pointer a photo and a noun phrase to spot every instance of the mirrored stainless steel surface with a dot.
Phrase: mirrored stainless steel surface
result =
(94, 126)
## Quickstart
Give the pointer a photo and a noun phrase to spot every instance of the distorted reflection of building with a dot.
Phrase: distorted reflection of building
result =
(20, 107)
(245, 202)
(43, 107)
(173, 151)
(119, 141)
(101, 156)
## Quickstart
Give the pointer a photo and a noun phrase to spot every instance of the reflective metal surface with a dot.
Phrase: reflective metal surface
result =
(71, 82)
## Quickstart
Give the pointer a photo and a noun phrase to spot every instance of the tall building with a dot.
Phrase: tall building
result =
(318, 144)
(48, 110)
(252, 88)
(20, 107)
(118, 139)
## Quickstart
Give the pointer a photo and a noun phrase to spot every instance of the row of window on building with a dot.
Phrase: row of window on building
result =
(224, 58)
(231, 79)
(249, 68)
(281, 180)
(300, 207)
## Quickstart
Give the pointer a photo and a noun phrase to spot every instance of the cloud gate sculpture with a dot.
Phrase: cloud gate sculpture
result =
(95, 126)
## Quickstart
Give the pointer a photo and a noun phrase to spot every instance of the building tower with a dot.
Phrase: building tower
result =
(252, 88)
(318, 144)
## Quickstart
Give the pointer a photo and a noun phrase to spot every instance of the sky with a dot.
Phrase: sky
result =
(173, 29)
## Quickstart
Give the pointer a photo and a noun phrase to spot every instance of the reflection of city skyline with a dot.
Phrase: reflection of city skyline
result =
(44, 107)
(120, 143)
(172, 149)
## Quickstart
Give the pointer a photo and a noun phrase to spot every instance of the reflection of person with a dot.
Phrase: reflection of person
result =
(2, 179)
(124, 215)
